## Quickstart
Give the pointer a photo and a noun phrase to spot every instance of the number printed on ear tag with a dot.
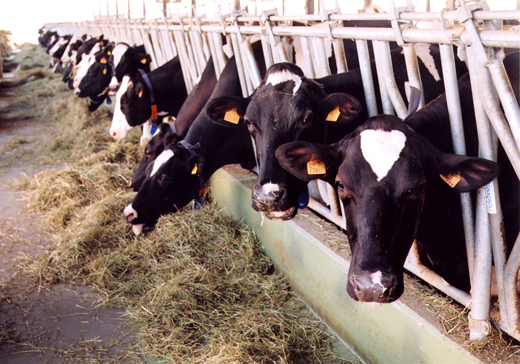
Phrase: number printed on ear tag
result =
(315, 166)
(451, 179)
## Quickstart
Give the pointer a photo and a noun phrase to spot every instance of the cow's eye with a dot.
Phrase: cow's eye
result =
(164, 177)
(340, 186)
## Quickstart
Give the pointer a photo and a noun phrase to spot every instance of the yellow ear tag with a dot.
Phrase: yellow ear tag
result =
(333, 115)
(103, 60)
(109, 53)
(315, 166)
(140, 94)
(451, 179)
(101, 43)
(144, 60)
(104, 71)
(194, 170)
(232, 116)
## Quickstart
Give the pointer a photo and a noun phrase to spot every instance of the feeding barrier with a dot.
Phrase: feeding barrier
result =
(471, 32)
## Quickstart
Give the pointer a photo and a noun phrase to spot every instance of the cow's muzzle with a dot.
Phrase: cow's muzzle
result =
(375, 287)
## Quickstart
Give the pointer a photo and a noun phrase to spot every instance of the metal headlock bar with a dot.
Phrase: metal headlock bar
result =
(472, 27)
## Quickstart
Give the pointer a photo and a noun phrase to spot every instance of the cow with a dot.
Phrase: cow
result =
(397, 182)
(94, 84)
(126, 60)
(56, 52)
(161, 91)
(69, 59)
(288, 107)
(178, 174)
(47, 37)
(189, 111)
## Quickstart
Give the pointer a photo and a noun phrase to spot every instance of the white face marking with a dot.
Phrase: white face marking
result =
(65, 57)
(270, 187)
(376, 277)
(137, 228)
(118, 53)
(284, 76)
(120, 127)
(82, 70)
(160, 160)
(423, 52)
(381, 149)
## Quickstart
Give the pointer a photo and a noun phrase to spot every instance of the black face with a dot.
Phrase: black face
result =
(171, 186)
(288, 107)
(151, 151)
(382, 217)
(135, 103)
(96, 80)
(381, 173)
(278, 114)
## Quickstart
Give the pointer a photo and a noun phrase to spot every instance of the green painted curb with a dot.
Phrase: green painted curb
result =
(389, 333)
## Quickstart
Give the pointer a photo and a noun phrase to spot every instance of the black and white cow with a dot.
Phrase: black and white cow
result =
(189, 111)
(161, 91)
(85, 57)
(288, 107)
(127, 61)
(178, 174)
(69, 59)
(56, 52)
(47, 37)
(398, 182)
(94, 84)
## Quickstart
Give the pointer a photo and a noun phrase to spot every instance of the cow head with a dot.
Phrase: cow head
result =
(135, 103)
(172, 181)
(95, 83)
(128, 60)
(151, 151)
(381, 172)
(285, 107)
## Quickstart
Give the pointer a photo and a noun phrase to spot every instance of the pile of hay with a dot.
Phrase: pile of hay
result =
(198, 288)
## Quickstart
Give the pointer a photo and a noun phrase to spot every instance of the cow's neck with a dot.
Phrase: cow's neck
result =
(168, 87)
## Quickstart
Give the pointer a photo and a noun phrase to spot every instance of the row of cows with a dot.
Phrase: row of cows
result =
(397, 180)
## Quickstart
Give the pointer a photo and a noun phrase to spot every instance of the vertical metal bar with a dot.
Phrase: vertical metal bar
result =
(266, 48)
(319, 57)
(214, 55)
(339, 53)
(307, 58)
(366, 75)
(478, 317)
(384, 62)
(240, 68)
(412, 69)
(385, 98)
(459, 145)
(511, 321)
(256, 79)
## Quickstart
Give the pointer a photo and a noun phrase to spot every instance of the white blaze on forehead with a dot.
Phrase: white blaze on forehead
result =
(270, 188)
(161, 159)
(118, 53)
(381, 149)
(284, 76)
(423, 52)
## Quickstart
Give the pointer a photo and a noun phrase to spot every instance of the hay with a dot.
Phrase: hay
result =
(198, 288)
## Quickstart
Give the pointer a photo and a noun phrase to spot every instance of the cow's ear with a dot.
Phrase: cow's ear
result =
(227, 110)
(164, 128)
(308, 161)
(465, 174)
(196, 164)
(169, 137)
(145, 59)
(339, 108)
